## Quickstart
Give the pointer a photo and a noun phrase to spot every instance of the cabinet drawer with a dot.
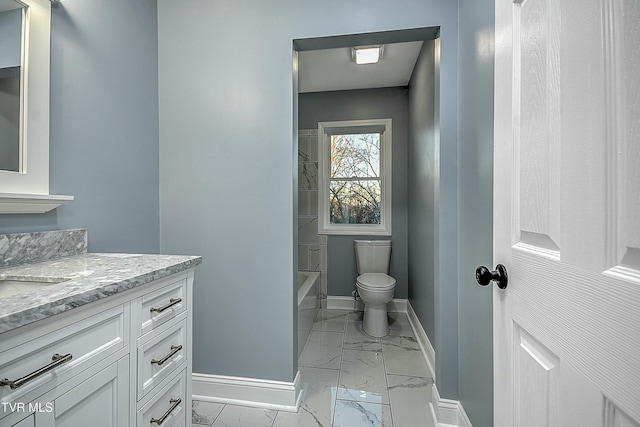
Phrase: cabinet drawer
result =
(160, 356)
(32, 366)
(168, 406)
(161, 305)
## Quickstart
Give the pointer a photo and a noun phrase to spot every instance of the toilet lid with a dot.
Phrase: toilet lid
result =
(376, 281)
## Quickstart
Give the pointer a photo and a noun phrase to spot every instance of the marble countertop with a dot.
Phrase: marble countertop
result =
(91, 277)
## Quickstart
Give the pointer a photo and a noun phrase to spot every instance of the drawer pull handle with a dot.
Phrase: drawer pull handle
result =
(172, 302)
(58, 360)
(174, 350)
(175, 403)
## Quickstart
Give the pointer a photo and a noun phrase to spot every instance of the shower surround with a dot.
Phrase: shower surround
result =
(312, 247)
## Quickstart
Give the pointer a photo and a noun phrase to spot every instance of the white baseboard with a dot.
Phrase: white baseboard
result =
(444, 412)
(397, 305)
(257, 393)
(463, 419)
(447, 412)
(423, 340)
(344, 303)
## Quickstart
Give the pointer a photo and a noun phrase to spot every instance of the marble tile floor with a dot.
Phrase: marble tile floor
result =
(349, 380)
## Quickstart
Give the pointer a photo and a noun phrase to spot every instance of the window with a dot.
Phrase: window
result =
(354, 177)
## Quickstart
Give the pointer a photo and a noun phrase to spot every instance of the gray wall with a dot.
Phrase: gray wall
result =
(423, 183)
(475, 176)
(227, 159)
(104, 125)
(454, 311)
(359, 105)
(433, 288)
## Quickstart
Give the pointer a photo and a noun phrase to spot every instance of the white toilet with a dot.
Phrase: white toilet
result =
(374, 286)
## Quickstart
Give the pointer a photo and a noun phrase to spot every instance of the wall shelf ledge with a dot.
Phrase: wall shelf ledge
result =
(15, 203)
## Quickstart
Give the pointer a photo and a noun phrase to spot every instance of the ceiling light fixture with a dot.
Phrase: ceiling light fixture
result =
(366, 54)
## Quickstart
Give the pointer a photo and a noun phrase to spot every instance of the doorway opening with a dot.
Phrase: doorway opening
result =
(330, 86)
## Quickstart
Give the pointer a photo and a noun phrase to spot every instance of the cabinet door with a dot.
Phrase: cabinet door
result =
(27, 422)
(100, 401)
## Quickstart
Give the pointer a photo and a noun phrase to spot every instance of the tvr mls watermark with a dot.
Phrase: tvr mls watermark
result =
(27, 407)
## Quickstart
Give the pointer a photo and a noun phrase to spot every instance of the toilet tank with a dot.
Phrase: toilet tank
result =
(372, 256)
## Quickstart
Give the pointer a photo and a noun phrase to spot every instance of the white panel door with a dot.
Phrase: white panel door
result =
(567, 213)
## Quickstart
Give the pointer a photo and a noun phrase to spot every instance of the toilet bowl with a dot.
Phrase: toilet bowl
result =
(374, 286)
(376, 291)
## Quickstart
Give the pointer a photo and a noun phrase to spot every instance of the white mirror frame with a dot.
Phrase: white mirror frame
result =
(27, 191)
(34, 127)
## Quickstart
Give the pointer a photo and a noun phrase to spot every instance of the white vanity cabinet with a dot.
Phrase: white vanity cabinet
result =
(124, 360)
(162, 320)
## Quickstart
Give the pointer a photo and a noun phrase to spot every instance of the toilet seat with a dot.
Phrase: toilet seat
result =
(376, 282)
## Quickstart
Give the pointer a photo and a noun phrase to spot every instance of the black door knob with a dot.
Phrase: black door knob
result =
(484, 276)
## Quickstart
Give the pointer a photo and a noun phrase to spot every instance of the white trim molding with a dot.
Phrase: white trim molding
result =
(257, 393)
(397, 305)
(423, 340)
(444, 412)
(447, 412)
(463, 419)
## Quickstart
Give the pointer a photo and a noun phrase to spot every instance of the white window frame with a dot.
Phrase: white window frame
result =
(325, 130)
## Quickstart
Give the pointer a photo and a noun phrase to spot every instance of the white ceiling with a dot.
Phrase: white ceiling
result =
(333, 69)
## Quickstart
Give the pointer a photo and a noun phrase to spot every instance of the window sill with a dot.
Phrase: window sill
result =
(30, 203)
(354, 231)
